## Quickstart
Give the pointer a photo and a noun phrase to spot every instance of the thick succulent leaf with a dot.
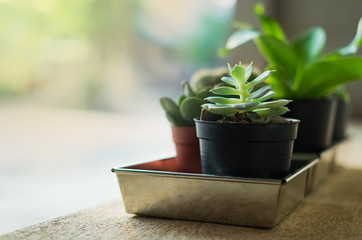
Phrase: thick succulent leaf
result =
(261, 92)
(229, 68)
(176, 121)
(204, 94)
(249, 71)
(274, 104)
(278, 53)
(270, 26)
(261, 78)
(187, 89)
(309, 45)
(172, 112)
(225, 91)
(250, 89)
(205, 79)
(223, 100)
(238, 72)
(238, 38)
(353, 47)
(231, 81)
(190, 108)
(272, 111)
(267, 96)
(245, 106)
(322, 77)
(180, 99)
(220, 110)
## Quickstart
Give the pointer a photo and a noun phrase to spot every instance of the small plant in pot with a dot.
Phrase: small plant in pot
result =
(250, 139)
(182, 113)
(304, 74)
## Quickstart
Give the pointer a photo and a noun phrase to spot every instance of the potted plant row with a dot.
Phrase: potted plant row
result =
(305, 75)
(249, 139)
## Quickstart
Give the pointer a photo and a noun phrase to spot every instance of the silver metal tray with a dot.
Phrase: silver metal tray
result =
(328, 162)
(159, 189)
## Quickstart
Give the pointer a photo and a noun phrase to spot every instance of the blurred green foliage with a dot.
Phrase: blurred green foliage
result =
(68, 49)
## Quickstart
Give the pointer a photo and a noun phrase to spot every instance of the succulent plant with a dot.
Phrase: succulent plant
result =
(239, 101)
(189, 103)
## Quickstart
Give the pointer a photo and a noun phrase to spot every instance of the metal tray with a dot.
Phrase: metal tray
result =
(159, 189)
(328, 162)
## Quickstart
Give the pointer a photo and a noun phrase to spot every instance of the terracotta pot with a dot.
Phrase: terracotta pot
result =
(246, 150)
(187, 148)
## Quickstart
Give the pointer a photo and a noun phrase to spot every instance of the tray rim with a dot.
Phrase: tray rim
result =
(129, 171)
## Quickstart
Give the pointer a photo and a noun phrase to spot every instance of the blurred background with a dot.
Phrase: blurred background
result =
(80, 83)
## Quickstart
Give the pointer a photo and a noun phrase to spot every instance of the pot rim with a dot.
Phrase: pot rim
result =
(290, 121)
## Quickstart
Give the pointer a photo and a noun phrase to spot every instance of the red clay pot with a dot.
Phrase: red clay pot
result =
(187, 148)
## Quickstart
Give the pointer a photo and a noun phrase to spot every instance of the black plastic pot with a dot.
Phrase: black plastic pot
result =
(317, 119)
(341, 120)
(246, 150)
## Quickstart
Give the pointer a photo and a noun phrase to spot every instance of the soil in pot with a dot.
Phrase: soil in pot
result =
(317, 119)
(246, 150)
(187, 148)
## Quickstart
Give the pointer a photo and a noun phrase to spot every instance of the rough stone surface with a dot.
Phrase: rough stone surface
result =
(333, 211)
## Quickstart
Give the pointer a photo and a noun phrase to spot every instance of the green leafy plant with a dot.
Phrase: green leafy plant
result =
(301, 70)
(189, 103)
(240, 102)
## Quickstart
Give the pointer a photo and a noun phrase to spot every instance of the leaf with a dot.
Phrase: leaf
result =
(270, 26)
(222, 100)
(205, 79)
(261, 78)
(272, 111)
(353, 46)
(229, 68)
(231, 81)
(309, 45)
(249, 71)
(172, 112)
(225, 91)
(180, 99)
(265, 97)
(274, 104)
(190, 108)
(172, 120)
(322, 77)
(277, 53)
(240, 37)
(187, 89)
(223, 52)
(238, 72)
(204, 94)
(282, 82)
(261, 92)
(220, 110)
(245, 106)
